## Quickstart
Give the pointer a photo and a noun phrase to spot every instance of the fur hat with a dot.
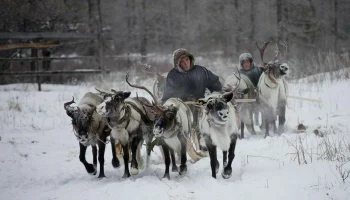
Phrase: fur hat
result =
(180, 54)
(244, 57)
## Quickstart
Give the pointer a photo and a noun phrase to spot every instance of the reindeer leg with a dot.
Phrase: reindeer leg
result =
(94, 156)
(213, 157)
(89, 167)
(101, 159)
(227, 172)
(224, 156)
(115, 160)
(134, 146)
(281, 119)
(126, 159)
(250, 124)
(166, 160)
(173, 161)
(256, 118)
(242, 130)
(183, 166)
(274, 127)
(267, 127)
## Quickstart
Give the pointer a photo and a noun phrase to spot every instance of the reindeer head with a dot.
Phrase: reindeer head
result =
(216, 106)
(113, 102)
(165, 120)
(275, 69)
(82, 120)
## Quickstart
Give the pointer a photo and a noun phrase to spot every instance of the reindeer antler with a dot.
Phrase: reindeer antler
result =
(155, 103)
(280, 55)
(103, 92)
(65, 105)
(262, 50)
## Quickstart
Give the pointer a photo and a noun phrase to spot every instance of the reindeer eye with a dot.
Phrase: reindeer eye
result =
(210, 105)
(170, 115)
(220, 105)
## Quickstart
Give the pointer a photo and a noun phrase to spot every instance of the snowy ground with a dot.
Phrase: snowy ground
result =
(39, 153)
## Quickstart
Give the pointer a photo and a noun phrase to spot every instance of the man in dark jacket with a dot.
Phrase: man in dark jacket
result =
(253, 71)
(249, 68)
(188, 81)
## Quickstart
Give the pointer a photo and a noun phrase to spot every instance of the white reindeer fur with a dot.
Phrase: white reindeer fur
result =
(182, 118)
(270, 93)
(219, 133)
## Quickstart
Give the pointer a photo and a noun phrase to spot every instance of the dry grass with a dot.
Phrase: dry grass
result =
(13, 104)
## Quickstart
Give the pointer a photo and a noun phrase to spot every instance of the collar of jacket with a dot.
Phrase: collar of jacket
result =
(182, 71)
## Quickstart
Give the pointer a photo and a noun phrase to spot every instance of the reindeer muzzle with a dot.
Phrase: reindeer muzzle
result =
(223, 114)
(158, 131)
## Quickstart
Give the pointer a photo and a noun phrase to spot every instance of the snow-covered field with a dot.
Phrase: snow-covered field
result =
(39, 153)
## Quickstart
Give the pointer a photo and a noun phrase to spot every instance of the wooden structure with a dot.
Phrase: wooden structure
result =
(49, 40)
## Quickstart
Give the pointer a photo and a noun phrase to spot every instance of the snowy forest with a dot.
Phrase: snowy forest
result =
(317, 32)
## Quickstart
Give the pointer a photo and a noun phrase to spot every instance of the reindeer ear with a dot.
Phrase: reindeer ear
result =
(227, 96)
(126, 94)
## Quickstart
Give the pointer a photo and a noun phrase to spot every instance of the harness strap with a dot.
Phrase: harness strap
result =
(144, 116)
(126, 117)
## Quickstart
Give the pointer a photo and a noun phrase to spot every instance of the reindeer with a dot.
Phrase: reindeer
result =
(129, 122)
(172, 128)
(272, 90)
(218, 127)
(245, 90)
(90, 129)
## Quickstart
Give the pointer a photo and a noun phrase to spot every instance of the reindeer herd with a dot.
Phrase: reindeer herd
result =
(134, 121)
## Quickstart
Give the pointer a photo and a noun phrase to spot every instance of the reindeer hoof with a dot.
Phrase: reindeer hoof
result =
(167, 176)
(134, 171)
(115, 163)
(217, 166)
(91, 169)
(101, 176)
(227, 173)
(126, 175)
(183, 169)
(174, 169)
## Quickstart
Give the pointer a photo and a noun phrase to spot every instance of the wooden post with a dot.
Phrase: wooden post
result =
(38, 79)
(99, 35)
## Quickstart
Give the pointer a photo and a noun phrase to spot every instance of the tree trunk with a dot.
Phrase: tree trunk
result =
(46, 64)
(238, 28)
(143, 47)
(252, 24)
(170, 26)
(336, 26)
(99, 36)
(92, 27)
